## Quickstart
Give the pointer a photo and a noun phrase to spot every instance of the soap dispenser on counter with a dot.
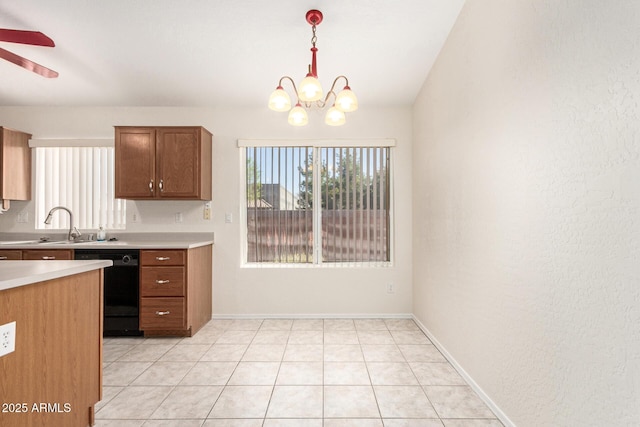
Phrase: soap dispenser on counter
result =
(102, 235)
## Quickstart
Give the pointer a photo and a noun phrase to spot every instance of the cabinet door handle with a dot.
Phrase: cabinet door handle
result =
(162, 313)
(48, 257)
(161, 186)
(151, 186)
(162, 282)
(163, 258)
(3, 257)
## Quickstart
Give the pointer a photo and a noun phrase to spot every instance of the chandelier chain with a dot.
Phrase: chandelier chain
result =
(313, 38)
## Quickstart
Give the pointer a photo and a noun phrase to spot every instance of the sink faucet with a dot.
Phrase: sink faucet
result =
(73, 232)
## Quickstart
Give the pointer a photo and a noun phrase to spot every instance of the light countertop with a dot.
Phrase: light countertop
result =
(20, 273)
(125, 240)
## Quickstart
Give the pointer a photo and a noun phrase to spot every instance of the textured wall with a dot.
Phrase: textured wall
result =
(527, 207)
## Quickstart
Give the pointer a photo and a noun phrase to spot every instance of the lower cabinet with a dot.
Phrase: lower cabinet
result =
(47, 254)
(36, 254)
(10, 255)
(175, 290)
(162, 313)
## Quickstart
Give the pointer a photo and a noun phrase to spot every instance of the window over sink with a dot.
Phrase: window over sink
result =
(81, 179)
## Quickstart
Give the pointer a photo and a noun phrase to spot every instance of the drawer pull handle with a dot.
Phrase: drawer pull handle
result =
(48, 257)
(162, 313)
(3, 257)
(163, 258)
(162, 282)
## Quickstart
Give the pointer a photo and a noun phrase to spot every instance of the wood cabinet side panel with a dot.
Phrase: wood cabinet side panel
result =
(206, 160)
(58, 350)
(199, 286)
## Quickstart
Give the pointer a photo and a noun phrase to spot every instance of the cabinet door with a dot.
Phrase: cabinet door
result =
(135, 163)
(178, 162)
(11, 254)
(15, 165)
(47, 254)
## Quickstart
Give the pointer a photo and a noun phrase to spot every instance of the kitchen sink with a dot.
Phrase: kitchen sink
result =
(64, 242)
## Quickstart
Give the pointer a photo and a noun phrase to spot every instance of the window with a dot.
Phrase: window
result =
(81, 179)
(317, 204)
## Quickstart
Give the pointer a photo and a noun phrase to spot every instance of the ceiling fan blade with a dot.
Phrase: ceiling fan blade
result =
(25, 37)
(29, 65)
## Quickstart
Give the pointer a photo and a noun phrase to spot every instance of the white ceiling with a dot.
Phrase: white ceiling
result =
(207, 53)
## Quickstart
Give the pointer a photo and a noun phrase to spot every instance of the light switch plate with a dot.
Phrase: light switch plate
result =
(7, 338)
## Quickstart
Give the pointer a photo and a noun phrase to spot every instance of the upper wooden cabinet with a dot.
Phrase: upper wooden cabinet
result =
(163, 163)
(15, 165)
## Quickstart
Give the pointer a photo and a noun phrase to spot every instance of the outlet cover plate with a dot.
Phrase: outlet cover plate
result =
(7, 338)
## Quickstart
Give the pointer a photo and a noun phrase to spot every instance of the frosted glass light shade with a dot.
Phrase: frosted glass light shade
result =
(310, 89)
(298, 116)
(335, 117)
(346, 100)
(279, 100)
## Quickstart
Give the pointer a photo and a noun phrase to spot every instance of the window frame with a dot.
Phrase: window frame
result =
(243, 144)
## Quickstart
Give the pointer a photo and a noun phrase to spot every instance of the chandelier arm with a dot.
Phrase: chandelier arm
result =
(322, 104)
(333, 86)
(292, 84)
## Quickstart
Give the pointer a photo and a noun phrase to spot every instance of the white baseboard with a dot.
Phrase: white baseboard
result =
(313, 316)
(487, 400)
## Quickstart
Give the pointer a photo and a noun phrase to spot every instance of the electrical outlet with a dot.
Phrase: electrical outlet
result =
(135, 217)
(179, 217)
(7, 338)
(391, 288)
(228, 217)
(23, 217)
(207, 210)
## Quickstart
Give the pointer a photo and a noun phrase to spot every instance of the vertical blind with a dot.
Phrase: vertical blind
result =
(318, 205)
(355, 204)
(82, 180)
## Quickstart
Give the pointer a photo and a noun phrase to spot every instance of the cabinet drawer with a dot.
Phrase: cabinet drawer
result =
(162, 281)
(47, 254)
(10, 255)
(162, 313)
(163, 257)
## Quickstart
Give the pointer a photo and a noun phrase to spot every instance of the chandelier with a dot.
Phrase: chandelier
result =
(309, 92)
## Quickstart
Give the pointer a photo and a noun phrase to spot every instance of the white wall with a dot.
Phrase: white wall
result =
(249, 291)
(527, 207)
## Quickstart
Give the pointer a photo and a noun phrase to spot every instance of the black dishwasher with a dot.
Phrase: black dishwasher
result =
(121, 290)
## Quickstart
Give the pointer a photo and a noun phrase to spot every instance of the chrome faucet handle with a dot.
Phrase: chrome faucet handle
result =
(74, 234)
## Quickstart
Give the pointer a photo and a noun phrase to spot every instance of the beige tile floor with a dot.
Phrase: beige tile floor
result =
(286, 373)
